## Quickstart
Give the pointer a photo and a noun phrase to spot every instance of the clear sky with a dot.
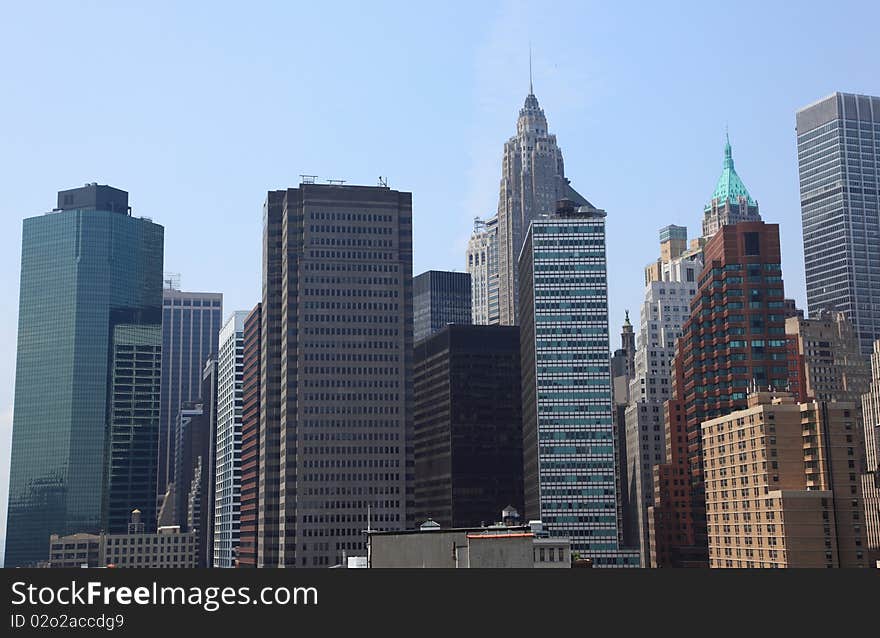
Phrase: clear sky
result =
(197, 109)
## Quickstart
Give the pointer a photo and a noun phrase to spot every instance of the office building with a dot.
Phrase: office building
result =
(468, 425)
(73, 551)
(250, 439)
(671, 283)
(568, 429)
(622, 368)
(838, 141)
(482, 265)
(532, 181)
(336, 371)
(190, 327)
(90, 299)
(440, 298)
(782, 488)
(227, 440)
(829, 357)
(733, 337)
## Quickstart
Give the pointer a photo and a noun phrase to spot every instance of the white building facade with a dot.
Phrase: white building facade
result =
(227, 470)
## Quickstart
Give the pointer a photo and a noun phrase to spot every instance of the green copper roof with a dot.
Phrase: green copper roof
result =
(730, 186)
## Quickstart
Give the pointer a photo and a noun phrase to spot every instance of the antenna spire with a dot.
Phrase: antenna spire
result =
(531, 90)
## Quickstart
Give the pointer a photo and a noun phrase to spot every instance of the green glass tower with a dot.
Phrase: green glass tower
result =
(86, 415)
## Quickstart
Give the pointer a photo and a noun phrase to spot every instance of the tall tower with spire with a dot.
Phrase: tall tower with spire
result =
(731, 202)
(532, 181)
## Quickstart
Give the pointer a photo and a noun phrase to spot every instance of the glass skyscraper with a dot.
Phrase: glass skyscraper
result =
(838, 140)
(568, 433)
(86, 392)
(190, 331)
(440, 298)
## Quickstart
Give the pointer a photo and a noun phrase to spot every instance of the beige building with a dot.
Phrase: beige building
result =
(168, 547)
(75, 550)
(833, 363)
(782, 485)
(871, 476)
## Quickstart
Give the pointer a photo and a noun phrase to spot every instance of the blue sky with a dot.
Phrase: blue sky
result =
(197, 109)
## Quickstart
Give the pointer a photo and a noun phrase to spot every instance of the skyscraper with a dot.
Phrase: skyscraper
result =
(337, 343)
(671, 284)
(468, 425)
(482, 264)
(532, 181)
(568, 431)
(731, 202)
(838, 140)
(227, 445)
(89, 310)
(440, 298)
(733, 338)
(250, 440)
(190, 326)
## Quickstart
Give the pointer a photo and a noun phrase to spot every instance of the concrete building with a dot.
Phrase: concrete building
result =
(568, 429)
(227, 444)
(828, 350)
(838, 152)
(135, 548)
(734, 337)
(730, 202)
(440, 298)
(190, 327)
(497, 546)
(482, 264)
(671, 283)
(532, 181)
(870, 478)
(468, 425)
(74, 551)
(88, 320)
(250, 440)
(336, 371)
(782, 488)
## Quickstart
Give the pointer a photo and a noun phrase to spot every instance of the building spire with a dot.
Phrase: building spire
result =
(728, 153)
(531, 90)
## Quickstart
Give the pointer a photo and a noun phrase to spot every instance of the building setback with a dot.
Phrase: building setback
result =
(190, 326)
(482, 264)
(89, 305)
(468, 425)
(336, 377)
(440, 298)
(227, 445)
(782, 488)
(838, 141)
(250, 440)
(734, 337)
(568, 430)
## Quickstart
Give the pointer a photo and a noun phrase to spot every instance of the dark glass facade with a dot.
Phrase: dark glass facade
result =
(838, 141)
(440, 298)
(91, 291)
(190, 330)
(468, 425)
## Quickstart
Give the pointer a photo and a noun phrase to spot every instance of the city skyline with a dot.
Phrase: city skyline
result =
(494, 89)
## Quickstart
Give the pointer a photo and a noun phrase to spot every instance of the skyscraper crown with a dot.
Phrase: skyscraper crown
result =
(730, 187)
